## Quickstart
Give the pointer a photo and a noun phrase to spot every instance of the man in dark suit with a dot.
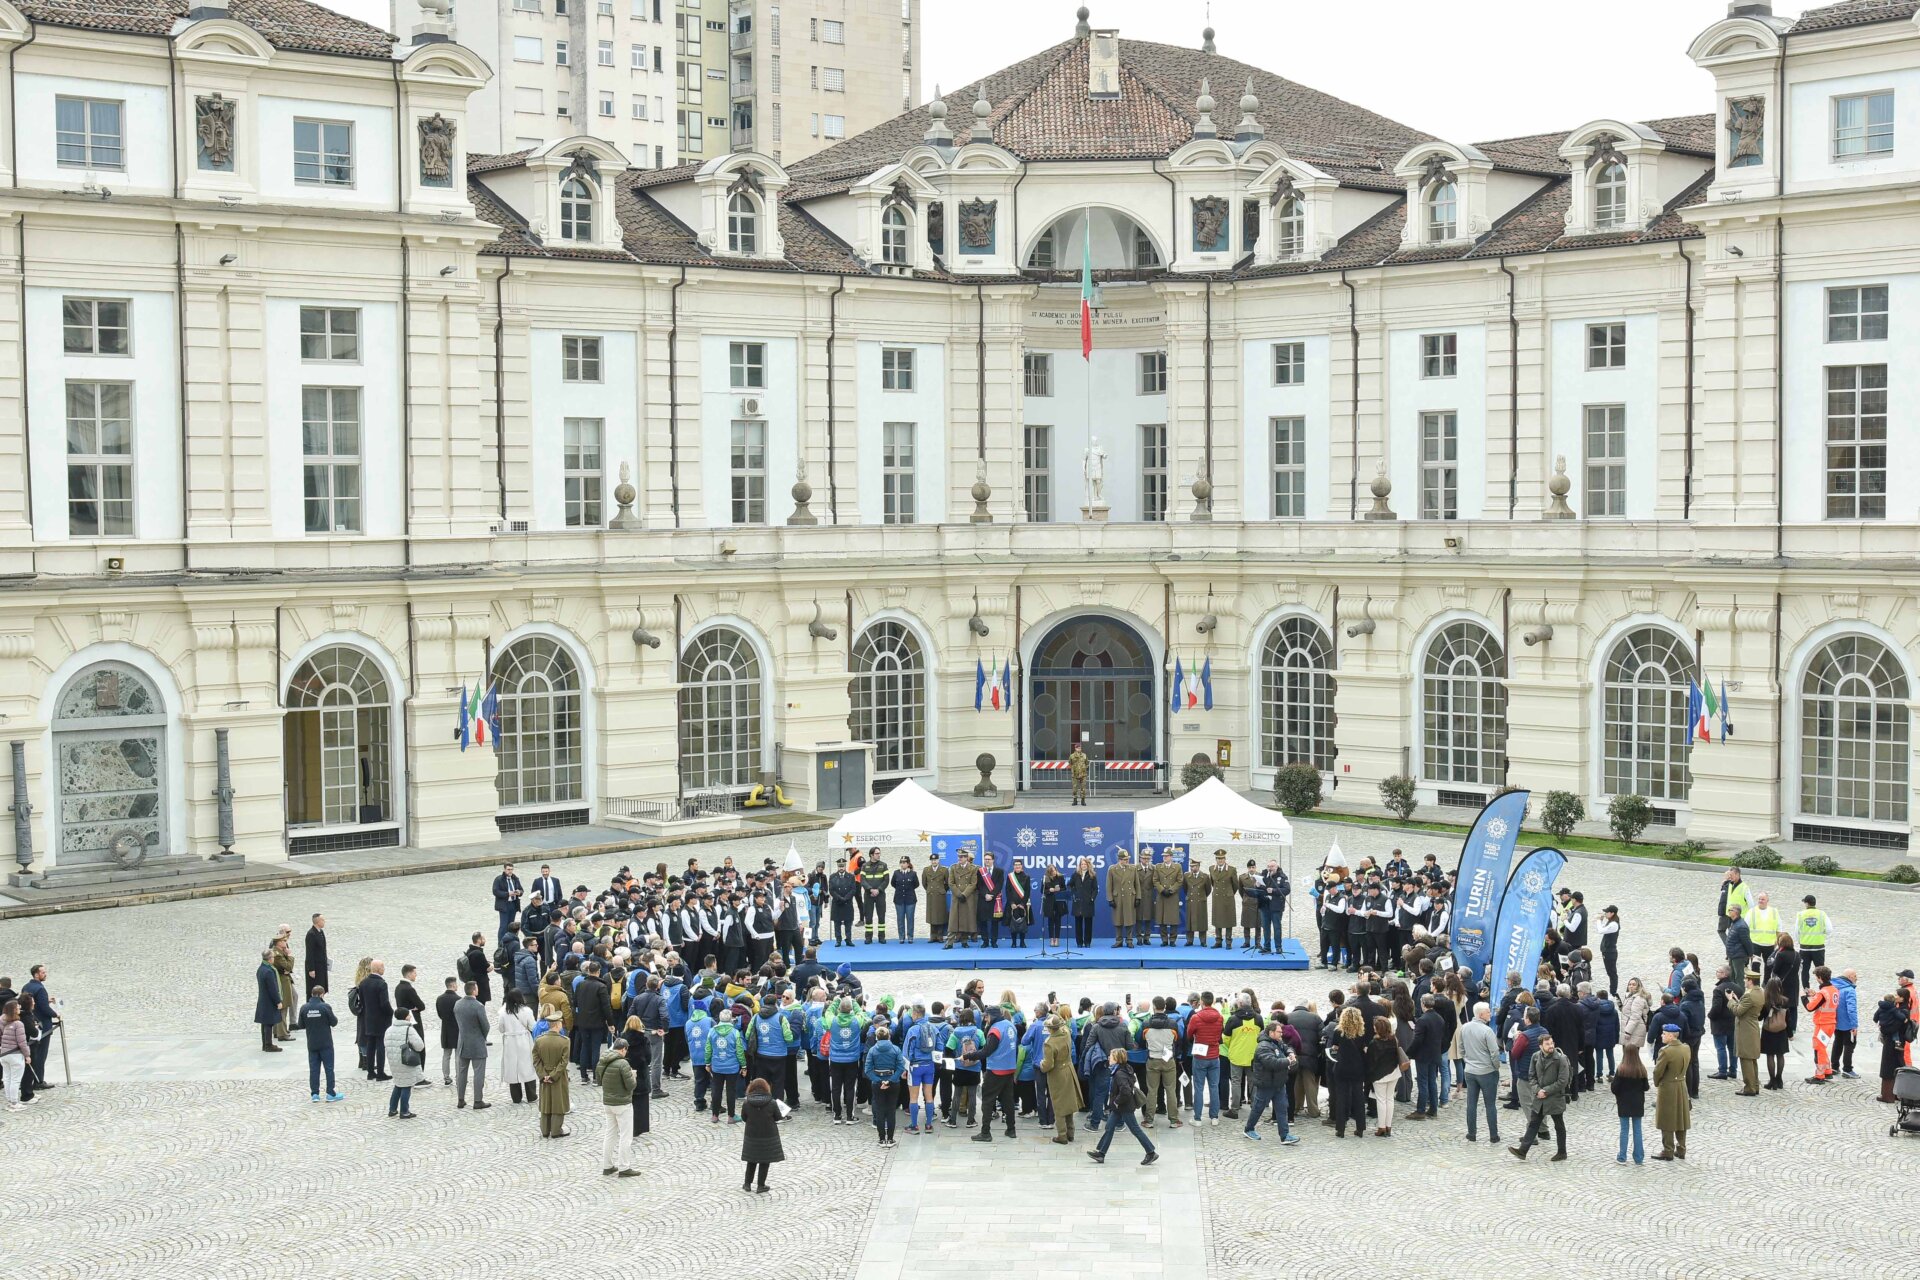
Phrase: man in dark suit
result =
(375, 1019)
(548, 887)
(317, 953)
(267, 1006)
(449, 1028)
(506, 898)
(407, 996)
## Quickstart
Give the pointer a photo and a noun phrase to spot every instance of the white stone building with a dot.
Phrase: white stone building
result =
(346, 411)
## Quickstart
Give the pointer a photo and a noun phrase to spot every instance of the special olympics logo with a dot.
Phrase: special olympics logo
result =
(1497, 828)
(1533, 882)
(1026, 838)
(1092, 835)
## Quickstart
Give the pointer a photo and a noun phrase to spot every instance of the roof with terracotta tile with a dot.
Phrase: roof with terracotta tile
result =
(1854, 13)
(296, 25)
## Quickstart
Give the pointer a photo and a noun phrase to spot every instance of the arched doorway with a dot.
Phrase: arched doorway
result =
(109, 748)
(338, 753)
(1091, 681)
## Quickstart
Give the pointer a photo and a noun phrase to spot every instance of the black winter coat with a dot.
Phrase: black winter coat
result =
(760, 1144)
(1271, 1069)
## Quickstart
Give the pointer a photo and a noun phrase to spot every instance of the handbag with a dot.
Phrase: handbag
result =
(410, 1056)
(1776, 1021)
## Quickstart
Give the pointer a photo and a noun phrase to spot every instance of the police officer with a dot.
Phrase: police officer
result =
(1810, 932)
(842, 890)
(1078, 768)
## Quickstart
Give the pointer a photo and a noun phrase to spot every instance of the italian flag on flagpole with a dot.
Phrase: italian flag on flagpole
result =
(1086, 289)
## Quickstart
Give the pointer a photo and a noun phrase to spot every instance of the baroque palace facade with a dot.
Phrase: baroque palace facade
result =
(1455, 460)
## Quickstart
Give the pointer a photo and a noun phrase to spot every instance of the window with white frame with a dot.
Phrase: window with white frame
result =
(1855, 757)
(579, 359)
(527, 6)
(1290, 227)
(640, 113)
(1153, 471)
(720, 712)
(747, 366)
(560, 53)
(1036, 473)
(330, 334)
(743, 224)
(1606, 440)
(1440, 466)
(1606, 346)
(1646, 733)
(603, 53)
(1857, 313)
(636, 57)
(330, 436)
(747, 473)
(529, 49)
(897, 472)
(581, 470)
(1439, 355)
(606, 104)
(1857, 442)
(1463, 696)
(890, 697)
(1610, 196)
(833, 31)
(833, 79)
(89, 133)
(1037, 367)
(1443, 212)
(896, 368)
(323, 153)
(1296, 695)
(99, 459)
(576, 204)
(1153, 373)
(833, 126)
(606, 8)
(96, 326)
(541, 748)
(1289, 454)
(1289, 364)
(1863, 124)
(894, 236)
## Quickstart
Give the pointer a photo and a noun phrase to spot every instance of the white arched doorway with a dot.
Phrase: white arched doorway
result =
(341, 746)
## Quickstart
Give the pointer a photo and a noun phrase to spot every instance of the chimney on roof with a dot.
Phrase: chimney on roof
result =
(1749, 9)
(436, 22)
(1206, 41)
(201, 10)
(1203, 128)
(937, 133)
(1248, 129)
(1082, 29)
(981, 110)
(1103, 64)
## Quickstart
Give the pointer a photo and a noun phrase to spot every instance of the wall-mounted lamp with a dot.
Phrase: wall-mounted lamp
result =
(643, 636)
(818, 628)
(1736, 251)
(1454, 544)
(1364, 627)
(446, 271)
(1206, 625)
(228, 259)
(977, 624)
(1538, 634)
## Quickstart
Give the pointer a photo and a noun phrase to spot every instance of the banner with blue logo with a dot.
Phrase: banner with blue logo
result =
(1481, 877)
(1043, 840)
(1526, 910)
(949, 847)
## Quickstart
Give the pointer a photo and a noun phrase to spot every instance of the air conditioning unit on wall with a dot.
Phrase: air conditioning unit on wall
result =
(749, 407)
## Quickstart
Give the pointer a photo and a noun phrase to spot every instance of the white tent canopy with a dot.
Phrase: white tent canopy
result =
(907, 815)
(1212, 816)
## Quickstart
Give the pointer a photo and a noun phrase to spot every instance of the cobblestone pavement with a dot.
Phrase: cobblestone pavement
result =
(183, 1151)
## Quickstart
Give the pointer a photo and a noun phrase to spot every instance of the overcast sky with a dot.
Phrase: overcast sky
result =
(1468, 72)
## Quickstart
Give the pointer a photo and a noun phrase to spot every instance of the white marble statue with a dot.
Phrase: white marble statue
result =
(1095, 469)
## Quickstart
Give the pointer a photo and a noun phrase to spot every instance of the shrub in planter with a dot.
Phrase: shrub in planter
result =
(1903, 873)
(1198, 770)
(1296, 788)
(1628, 816)
(1563, 809)
(1762, 857)
(1525, 809)
(1687, 850)
(1397, 794)
(1819, 864)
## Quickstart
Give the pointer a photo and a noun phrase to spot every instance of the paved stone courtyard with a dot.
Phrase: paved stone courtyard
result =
(182, 1151)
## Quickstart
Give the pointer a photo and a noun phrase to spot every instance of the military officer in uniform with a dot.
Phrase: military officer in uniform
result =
(934, 881)
(1224, 893)
(1123, 895)
(1143, 902)
(1166, 897)
(963, 921)
(1198, 883)
(1078, 767)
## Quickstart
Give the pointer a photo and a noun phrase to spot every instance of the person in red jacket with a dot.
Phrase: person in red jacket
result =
(1204, 1029)
(1823, 1002)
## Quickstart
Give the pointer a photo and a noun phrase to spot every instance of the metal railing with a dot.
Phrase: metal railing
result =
(712, 804)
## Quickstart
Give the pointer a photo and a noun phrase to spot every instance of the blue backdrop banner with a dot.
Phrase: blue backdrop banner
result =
(949, 847)
(1480, 878)
(1042, 840)
(1526, 909)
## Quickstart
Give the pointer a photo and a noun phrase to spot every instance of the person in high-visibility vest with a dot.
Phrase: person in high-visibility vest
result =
(1907, 997)
(1763, 922)
(1823, 1002)
(1810, 930)
(1733, 893)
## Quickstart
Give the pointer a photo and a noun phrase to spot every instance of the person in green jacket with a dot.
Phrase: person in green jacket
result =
(617, 1080)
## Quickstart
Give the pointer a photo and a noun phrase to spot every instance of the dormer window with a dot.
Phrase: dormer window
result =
(1443, 211)
(743, 224)
(576, 209)
(894, 236)
(1610, 196)
(1290, 227)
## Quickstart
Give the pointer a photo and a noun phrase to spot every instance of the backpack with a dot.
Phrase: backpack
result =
(502, 962)
(353, 1001)
(1123, 1096)
(462, 967)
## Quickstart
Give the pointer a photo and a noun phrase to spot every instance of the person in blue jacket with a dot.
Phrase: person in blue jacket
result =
(918, 1047)
(727, 1065)
(846, 1030)
(679, 1001)
(885, 1066)
(963, 1046)
(698, 1031)
(772, 1040)
(1031, 1085)
(999, 1059)
(1846, 1023)
(817, 1074)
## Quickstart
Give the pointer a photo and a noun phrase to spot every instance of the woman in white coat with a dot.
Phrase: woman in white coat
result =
(516, 1048)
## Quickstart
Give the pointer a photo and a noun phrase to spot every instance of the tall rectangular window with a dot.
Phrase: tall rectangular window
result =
(896, 368)
(747, 473)
(1036, 473)
(1857, 442)
(1289, 468)
(581, 470)
(896, 473)
(606, 105)
(1606, 346)
(330, 450)
(1289, 364)
(747, 366)
(89, 133)
(99, 459)
(1153, 471)
(561, 54)
(96, 326)
(833, 31)
(1038, 367)
(1863, 124)
(1606, 432)
(603, 53)
(1857, 313)
(1439, 355)
(1153, 373)
(636, 57)
(1439, 466)
(330, 334)
(323, 153)
(579, 359)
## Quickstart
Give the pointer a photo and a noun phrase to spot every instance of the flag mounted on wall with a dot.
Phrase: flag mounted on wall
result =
(479, 715)
(1086, 288)
(994, 697)
(463, 734)
(1006, 683)
(1206, 684)
(1696, 712)
(979, 684)
(1726, 712)
(1179, 688)
(491, 710)
(1709, 709)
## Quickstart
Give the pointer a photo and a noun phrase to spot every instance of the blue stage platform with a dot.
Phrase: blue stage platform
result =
(891, 957)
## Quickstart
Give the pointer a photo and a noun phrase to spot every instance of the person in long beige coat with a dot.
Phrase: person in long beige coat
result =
(963, 921)
(1199, 883)
(550, 1062)
(1123, 895)
(1225, 896)
(1167, 878)
(1672, 1111)
(1063, 1085)
(1746, 1034)
(933, 878)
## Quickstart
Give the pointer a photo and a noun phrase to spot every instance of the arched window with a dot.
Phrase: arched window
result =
(890, 697)
(1463, 698)
(109, 749)
(1610, 196)
(1853, 733)
(1296, 695)
(576, 209)
(720, 712)
(337, 736)
(1290, 227)
(1443, 211)
(743, 224)
(1645, 731)
(893, 236)
(540, 743)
